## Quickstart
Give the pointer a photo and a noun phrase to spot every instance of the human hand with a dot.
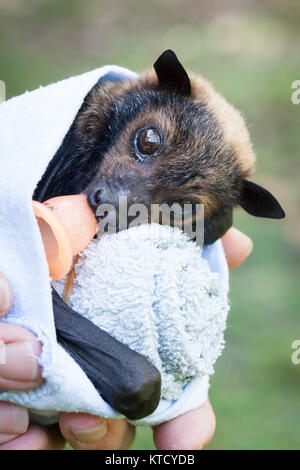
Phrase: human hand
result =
(19, 349)
(190, 431)
(195, 429)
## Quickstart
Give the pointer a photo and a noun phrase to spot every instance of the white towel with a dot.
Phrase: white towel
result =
(32, 127)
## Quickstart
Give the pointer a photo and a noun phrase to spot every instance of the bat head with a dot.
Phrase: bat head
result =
(166, 137)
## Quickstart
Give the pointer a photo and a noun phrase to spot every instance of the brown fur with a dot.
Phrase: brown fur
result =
(235, 146)
(229, 118)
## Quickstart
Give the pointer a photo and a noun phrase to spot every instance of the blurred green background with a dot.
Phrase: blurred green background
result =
(250, 51)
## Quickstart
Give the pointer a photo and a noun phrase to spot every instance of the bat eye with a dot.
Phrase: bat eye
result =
(148, 142)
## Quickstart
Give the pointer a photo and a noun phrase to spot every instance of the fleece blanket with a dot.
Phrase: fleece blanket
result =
(32, 127)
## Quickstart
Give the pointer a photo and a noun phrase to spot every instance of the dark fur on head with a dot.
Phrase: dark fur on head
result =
(205, 155)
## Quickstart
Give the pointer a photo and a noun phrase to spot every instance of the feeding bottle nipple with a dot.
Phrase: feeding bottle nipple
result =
(67, 225)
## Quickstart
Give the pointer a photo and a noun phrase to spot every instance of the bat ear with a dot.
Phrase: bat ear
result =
(171, 74)
(259, 202)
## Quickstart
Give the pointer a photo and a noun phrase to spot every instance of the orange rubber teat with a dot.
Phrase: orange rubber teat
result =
(67, 225)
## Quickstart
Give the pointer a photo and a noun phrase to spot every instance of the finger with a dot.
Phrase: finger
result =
(237, 247)
(87, 432)
(6, 295)
(14, 419)
(6, 438)
(20, 349)
(190, 431)
(37, 438)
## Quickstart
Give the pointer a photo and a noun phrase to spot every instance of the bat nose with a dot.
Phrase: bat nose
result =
(96, 197)
(104, 196)
(113, 192)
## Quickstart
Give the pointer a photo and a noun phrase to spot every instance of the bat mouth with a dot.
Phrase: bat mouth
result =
(111, 222)
(102, 217)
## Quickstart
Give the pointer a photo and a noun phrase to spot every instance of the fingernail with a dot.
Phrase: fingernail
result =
(14, 419)
(5, 296)
(20, 420)
(91, 435)
(21, 362)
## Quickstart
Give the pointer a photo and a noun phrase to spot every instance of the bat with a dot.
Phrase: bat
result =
(166, 136)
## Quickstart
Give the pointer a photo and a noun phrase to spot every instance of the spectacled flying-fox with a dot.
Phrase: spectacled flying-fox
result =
(165, 136)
